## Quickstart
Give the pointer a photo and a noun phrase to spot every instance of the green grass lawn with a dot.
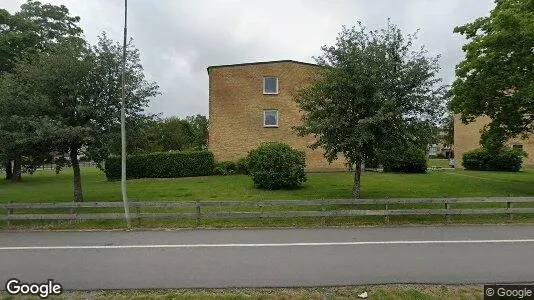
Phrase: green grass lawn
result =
(438, 163)
(46, 186)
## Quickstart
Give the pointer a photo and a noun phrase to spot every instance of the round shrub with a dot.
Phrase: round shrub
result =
(409, 160)
(481, 159)
(276, 166)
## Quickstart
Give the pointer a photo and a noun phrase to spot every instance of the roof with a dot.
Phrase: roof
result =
(263, 62)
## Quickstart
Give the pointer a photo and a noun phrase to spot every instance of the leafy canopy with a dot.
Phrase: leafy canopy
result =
(496, 78)
(373, 93)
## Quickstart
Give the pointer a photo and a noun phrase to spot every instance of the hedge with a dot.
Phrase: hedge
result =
(162, 165)
(481, 159)
(408, 160)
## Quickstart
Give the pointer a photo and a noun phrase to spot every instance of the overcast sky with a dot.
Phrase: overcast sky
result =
(179, 39)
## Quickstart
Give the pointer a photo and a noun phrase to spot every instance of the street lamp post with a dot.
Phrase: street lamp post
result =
(123, 123)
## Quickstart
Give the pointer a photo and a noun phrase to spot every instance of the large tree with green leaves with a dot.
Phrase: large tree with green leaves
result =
(496, 78)
(32, 30)
(77, 93)
(374, 93)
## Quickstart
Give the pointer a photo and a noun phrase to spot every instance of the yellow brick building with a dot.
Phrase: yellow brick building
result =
(253, 103)
(467, 137)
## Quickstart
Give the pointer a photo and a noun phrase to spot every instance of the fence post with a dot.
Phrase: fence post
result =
(9, 212)
(387, 214)
(448, 207)
(198, 213)
(508, 206)
(138, 213)
(260, 205)
(323, 209)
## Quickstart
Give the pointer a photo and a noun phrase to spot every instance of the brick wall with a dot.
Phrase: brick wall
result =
(237, 102)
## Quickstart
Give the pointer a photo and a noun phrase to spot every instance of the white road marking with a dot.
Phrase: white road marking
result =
(265, 245)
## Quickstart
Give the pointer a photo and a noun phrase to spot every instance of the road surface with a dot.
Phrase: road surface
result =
(270, 257)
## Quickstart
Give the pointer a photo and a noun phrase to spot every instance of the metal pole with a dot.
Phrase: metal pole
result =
(123, 123)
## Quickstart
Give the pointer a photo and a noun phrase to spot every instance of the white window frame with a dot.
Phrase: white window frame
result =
(277, 117)
(277, 88)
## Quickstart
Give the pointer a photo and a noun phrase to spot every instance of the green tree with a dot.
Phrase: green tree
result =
(31, 30)
(199, 124)
(373, 93)
(496, 78)
(77, 94)
(169, 134)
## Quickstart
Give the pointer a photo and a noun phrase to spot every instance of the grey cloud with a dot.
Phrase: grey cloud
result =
(179, 39)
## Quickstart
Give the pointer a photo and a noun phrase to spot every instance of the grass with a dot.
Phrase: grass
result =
(438, 163)
(385, 292)
(46, 186)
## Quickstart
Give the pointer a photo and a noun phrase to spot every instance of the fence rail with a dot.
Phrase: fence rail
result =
(256, 209)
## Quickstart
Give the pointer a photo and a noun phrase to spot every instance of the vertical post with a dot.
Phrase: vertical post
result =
(123, 122)
(260, 205)
(198, 213)
(9, 212)
(508, 206)
(387, 214)
(448, 208)
(323, 209)
(138, 213)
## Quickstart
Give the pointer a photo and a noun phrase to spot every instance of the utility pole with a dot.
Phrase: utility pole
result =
(123, 122)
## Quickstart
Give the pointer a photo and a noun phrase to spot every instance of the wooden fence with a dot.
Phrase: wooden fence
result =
(200, 210)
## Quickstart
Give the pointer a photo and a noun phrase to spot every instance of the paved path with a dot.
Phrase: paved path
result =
(270, 258)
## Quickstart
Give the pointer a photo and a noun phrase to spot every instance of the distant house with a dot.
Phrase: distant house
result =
(467, 137)
(251, 103)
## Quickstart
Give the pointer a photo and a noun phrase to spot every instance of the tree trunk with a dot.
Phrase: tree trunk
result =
(9, 169)
(357, 175)
(16, 174)
(78, 194)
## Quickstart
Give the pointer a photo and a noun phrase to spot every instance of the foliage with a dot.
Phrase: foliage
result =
(162, 165)
(199, 125)
(225, 168)
(276, 165)
(374, 93)
(496, 78)
(33, 30)
(242, 166)
(483, 159)
(408, 160)
(447, 127)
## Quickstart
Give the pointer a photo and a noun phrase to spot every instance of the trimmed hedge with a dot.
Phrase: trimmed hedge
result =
(162, 165)
(276, 165)
(481, 159)
(409, 160)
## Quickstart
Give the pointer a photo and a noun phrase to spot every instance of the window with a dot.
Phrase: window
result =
(518, 146)
(270, 118)
(270, 85)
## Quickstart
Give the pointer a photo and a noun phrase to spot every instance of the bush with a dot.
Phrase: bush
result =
(225, 168)
(162, 165)
(409, 160)
(276, 166)
(505, 159)
(242, 166)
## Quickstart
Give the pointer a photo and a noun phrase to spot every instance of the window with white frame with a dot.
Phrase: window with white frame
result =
(270, 118)
(270, 85)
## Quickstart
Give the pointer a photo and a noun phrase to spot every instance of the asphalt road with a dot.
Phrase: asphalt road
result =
(270, 258)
